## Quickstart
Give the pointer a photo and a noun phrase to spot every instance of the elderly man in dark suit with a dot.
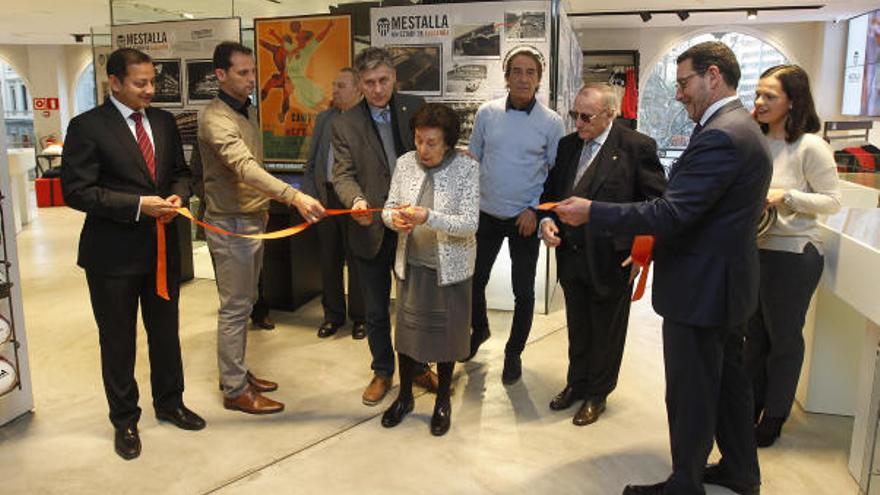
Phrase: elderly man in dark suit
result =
(604, 162)
(367, 140)
(706, 279)
(124, 167)
(333, 231)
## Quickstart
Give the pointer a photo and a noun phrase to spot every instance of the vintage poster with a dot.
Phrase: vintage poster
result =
(297, 60)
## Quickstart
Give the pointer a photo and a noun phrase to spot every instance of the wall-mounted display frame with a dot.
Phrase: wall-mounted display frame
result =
(297, 60)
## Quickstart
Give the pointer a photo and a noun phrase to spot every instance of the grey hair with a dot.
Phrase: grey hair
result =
(609, 96)
(370, 58)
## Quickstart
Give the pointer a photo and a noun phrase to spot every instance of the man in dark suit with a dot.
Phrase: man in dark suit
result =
(367, 140)
(604, 162)
(706, 279)
(332, 231)
(124, 167)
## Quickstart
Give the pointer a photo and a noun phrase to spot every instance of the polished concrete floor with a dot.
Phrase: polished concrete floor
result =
(504, 440)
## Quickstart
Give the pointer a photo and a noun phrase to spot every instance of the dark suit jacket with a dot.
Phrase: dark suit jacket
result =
(315, 183)
(625, 169)
(361, 168)
(706, 256)
(104, 175)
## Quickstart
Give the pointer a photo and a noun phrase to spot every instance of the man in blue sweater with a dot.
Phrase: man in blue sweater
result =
(514, 139)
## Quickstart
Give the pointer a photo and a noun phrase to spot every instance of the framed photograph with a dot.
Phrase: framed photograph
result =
(201, 82)
(477, 40)
(467, 112)
(468, 80)
(169, 85)
(297, 60)
(419, 68)
(522, 26)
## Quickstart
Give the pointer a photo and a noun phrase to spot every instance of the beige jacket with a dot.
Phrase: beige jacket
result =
(232, 153)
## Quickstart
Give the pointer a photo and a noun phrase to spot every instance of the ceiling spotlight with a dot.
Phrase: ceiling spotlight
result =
(683, 14)
(752, 14)
(187, 15)
(646, 16)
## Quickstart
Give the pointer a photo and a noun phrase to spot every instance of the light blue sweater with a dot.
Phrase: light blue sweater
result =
(516, 150)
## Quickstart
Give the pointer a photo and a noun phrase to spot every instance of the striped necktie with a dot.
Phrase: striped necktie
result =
(586, 158)
(144, 143)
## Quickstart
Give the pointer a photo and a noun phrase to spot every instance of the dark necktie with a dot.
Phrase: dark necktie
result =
(144, 143)
(697, 129)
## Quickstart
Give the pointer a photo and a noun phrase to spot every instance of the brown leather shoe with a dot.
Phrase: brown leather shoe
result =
(376, 390)
(261, 385)
(428, 381)
(251, 402)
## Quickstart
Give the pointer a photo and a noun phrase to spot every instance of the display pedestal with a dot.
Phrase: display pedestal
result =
(291, 271)
(21, 164)
(841, 333)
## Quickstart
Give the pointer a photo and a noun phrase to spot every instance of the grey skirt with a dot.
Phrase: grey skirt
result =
(433, 322)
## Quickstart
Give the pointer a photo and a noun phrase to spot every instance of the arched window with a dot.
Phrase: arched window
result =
(18, 113)
(85, 90)
(665, 119)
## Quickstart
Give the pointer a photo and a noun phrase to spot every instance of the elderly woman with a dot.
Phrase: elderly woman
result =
(804, 185)
(433, 204)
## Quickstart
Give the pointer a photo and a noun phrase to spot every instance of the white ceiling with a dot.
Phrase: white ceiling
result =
(53, 21)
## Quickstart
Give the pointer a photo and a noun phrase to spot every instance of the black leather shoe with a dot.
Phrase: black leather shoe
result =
(768, 430)
(328, 329)
(128, 442)
(441, 419)
(264, 323)
(715, 475)
(589, 412)
(182, 418)
(512, 369)
(564, 399)
(359, 330)
(395, 414)
(657, 489)
(477, 339)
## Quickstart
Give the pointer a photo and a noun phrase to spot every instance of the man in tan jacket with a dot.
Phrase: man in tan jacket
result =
(238, 190)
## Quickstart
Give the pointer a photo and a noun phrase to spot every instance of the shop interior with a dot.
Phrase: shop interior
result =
(54, 433)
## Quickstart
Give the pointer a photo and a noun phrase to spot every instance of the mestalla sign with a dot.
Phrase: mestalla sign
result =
(145, 41)
(413, 26)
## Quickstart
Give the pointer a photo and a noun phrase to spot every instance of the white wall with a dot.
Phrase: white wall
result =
(818, 47)
(49, 71)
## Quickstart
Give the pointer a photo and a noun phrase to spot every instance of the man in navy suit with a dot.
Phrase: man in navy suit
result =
(124, 167)
(706, 279)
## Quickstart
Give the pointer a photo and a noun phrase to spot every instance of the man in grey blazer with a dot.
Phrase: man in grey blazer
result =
(367, 139)
(332, 231)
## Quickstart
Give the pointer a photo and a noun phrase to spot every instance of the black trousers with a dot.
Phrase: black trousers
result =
(115, 301)
(775, 340)
(596, 333)
(524, 261)
(708, 396)
(375, 278)
(335, 253)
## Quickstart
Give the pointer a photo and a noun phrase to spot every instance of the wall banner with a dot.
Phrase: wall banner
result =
(297, 60)
(454, 53)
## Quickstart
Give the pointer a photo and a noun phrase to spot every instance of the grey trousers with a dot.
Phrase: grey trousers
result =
(237, 265)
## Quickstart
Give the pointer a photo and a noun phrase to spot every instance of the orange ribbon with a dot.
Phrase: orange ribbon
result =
(162, 256)
(641, 253)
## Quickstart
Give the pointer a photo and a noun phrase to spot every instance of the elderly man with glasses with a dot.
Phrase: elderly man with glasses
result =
(606, 162)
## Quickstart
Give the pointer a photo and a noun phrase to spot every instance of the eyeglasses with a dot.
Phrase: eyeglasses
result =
(586, 117)
(682, 83)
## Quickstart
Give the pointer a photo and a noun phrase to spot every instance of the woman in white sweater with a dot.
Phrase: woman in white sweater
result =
(436, 250)
(804, 186)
